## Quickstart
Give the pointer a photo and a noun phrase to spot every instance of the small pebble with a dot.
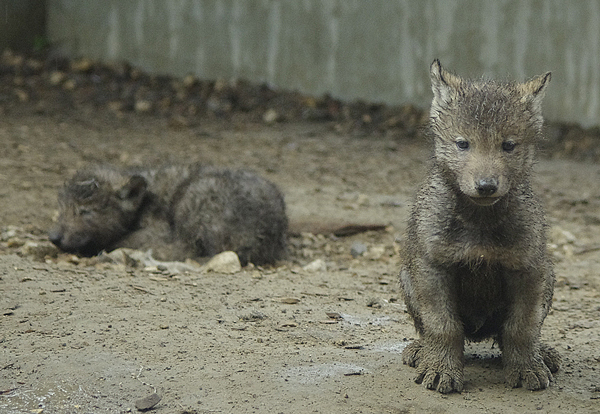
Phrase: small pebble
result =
(357, 249)
(56, 78)
(226, 262)
(146, 403)
(270, 116)
(376, 252)
(315, 266)
(142, 106)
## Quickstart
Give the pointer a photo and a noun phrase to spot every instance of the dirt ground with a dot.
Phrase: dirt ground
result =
(321, 332)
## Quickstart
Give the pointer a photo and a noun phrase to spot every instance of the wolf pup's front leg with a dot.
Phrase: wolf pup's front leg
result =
(527, 362)
(438, 353)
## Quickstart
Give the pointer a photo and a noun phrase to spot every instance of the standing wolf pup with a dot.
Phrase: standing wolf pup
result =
(179, 211)
(475, 263)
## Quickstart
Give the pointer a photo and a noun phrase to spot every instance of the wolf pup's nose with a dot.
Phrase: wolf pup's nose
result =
(487, 187)
(55, 237)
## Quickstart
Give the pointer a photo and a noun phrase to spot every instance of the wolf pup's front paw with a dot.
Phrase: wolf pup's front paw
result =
(436, 369)
(411, 354)
(532, 374)
(551, 357)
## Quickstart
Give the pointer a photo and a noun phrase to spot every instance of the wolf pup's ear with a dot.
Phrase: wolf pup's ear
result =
(443, 84)
(85, 189)
(533, 93)
(537, 86)
(132, 193)
(134, 188)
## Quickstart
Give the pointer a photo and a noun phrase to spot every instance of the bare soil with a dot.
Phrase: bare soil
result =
(321, 332)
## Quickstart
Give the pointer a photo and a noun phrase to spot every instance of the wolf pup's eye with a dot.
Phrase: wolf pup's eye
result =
(462, 144)
(508, 146)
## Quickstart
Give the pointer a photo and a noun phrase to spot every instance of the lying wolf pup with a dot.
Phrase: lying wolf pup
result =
(475, 263)
(180, 212)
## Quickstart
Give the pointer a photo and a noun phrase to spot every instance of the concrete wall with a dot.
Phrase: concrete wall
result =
(22, 24)
(376, 50)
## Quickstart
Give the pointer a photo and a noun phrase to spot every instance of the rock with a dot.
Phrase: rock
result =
(22, 94)
(39, 250)
(316, 266)
(9, 232)
(82, 65)
(357, 249)
(11, 58)
(143, 106)
(270, 116)
(15, 242)
(57, 77)
(377, 303)
(226, 262)
(146, 403)
(561, 282)
(70, 84)
(375, 252)
(115, 106)
(189, 81)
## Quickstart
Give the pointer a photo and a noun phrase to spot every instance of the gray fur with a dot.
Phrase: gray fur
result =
(475, 263)
(183, 211)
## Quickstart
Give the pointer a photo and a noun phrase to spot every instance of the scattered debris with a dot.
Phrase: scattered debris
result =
(376, 303)
(138, 258)
(289, 301)
(141, 289)
(354, 347)
(121, 89)
(253, 317)
(329, 322)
